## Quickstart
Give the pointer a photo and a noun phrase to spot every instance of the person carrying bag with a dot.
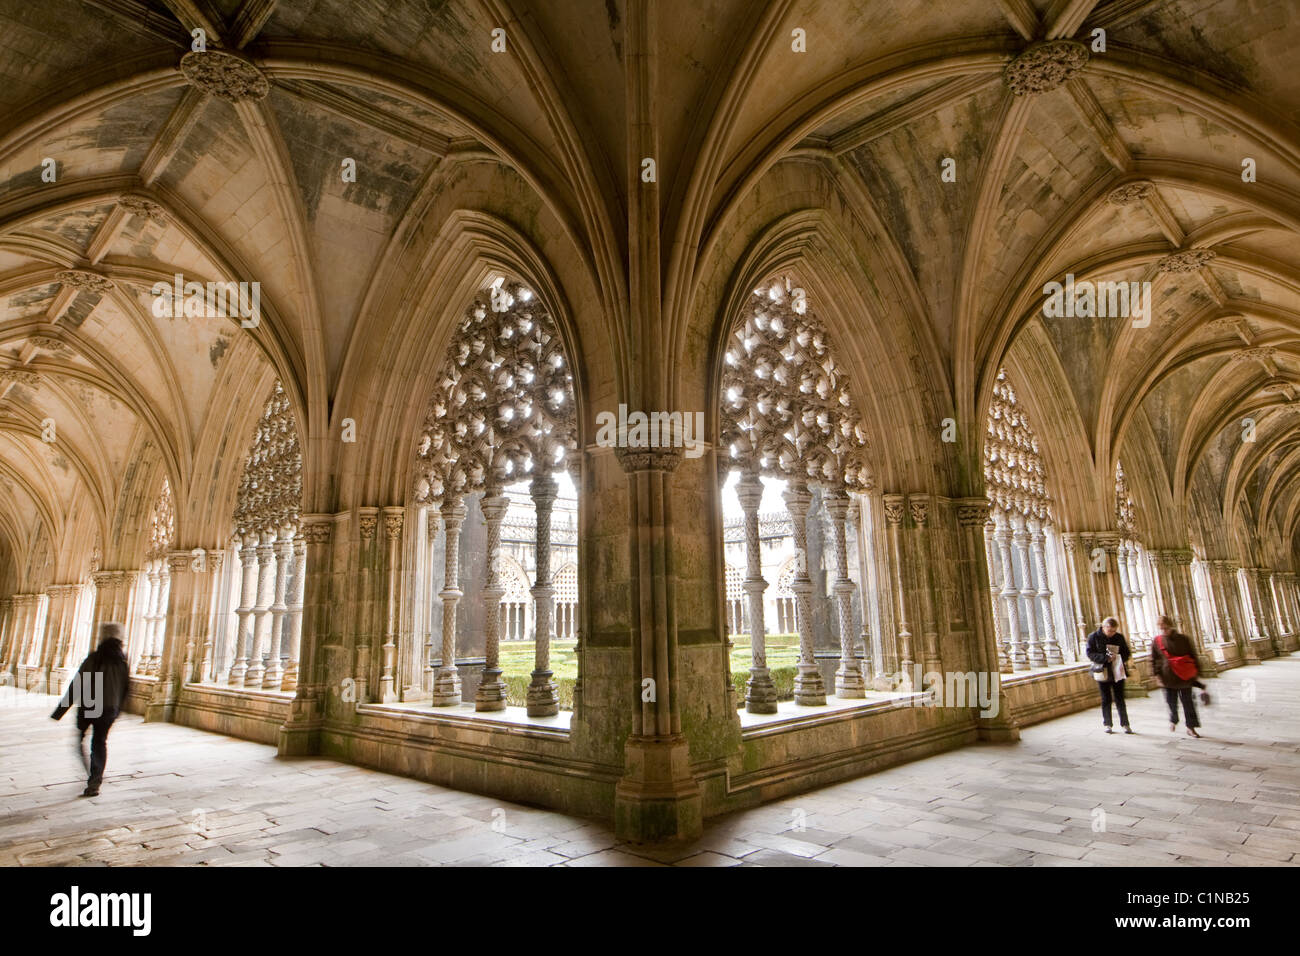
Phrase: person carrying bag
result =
(1109, 652)
(1174, 658)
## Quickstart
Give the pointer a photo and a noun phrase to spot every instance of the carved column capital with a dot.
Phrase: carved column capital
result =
(893, 508)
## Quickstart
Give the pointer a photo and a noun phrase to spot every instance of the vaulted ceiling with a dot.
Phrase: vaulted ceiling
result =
(449, 137)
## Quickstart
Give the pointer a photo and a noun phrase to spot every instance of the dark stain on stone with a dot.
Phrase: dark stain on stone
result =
(218, 349)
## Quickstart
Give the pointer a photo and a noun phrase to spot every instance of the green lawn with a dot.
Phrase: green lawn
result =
(517, 662)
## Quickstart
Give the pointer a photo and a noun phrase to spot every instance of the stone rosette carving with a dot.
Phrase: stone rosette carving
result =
(1042, 67)
(270, 489)
(504, 406)
(224, 75)
(1130, 193)
(86, 281)
(143, 207)
(393, 526)
(787, 409)
(368, 524)
(1186, 260)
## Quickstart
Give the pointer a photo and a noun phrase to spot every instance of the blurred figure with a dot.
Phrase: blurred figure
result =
(1109, 652)
(1173, 656)
(98, 691)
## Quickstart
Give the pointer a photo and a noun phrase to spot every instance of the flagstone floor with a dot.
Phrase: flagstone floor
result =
(1066, 795)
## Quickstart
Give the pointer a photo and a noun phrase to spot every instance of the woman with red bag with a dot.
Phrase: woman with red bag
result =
(1173, 657)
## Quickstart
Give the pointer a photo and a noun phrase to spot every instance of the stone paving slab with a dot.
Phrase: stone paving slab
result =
(1065, 795)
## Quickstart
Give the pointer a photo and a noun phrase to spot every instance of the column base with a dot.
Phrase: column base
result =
(849, 684)
(300, 735)
(492, 691)
(446, 687)
(760, 692)
(543, 695)
(809, 688)
(237, 674)
(657, 799)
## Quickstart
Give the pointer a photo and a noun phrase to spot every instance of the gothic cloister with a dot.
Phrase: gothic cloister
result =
(626, 408)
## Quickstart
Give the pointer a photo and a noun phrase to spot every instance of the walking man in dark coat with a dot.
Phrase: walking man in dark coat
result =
(1109, 671)
(1173, 658)
(98, 691)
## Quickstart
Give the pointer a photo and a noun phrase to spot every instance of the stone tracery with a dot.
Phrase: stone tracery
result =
(787, 413)
(502, 412)
(1018, 535)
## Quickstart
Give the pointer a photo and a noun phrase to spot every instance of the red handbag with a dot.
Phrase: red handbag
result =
(1183, 666)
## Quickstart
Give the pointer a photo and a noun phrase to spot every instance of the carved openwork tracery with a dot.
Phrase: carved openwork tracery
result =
(787, 409)
(270, 490)
(787, 412)
(1015, 482)
(503, 408)
(1125, 513)
(162, 523)
(1014, 476)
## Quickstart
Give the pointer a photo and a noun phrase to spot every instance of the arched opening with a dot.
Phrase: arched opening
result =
(793, 455)
(1024, 552)
(498, 447)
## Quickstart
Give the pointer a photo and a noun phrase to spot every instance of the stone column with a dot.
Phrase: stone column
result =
(993, 574)
(293, 629)
(1216, 574)
(247, 600)
(366, 605)
(894, 522)
(446, 681)
(1010, 594)
(393, 519)
(262, 612)
(872, 653)
(760, 691)
(809, 689)
(849, 683)
(573, 462)
(145, 665)
(6, 632)
(204, 664)
(283, 548)
(1141, 626)
(543, 694)
(177, 632)
(973, 522)
(431, 632)
(492, 691)
(919, 506)
(1052, 647)
(1028, 593)
(300, 733)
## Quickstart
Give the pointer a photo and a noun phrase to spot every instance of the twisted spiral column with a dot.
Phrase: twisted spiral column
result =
(543, 694)
(809, 688)
(446, 681)
(760, 691)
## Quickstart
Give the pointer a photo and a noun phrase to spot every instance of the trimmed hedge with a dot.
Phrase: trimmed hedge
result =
(517, 690)
(782, 677)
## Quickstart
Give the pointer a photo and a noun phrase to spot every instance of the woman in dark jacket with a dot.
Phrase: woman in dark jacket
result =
(98, 690)
(1172, 644)
(1103, 669)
